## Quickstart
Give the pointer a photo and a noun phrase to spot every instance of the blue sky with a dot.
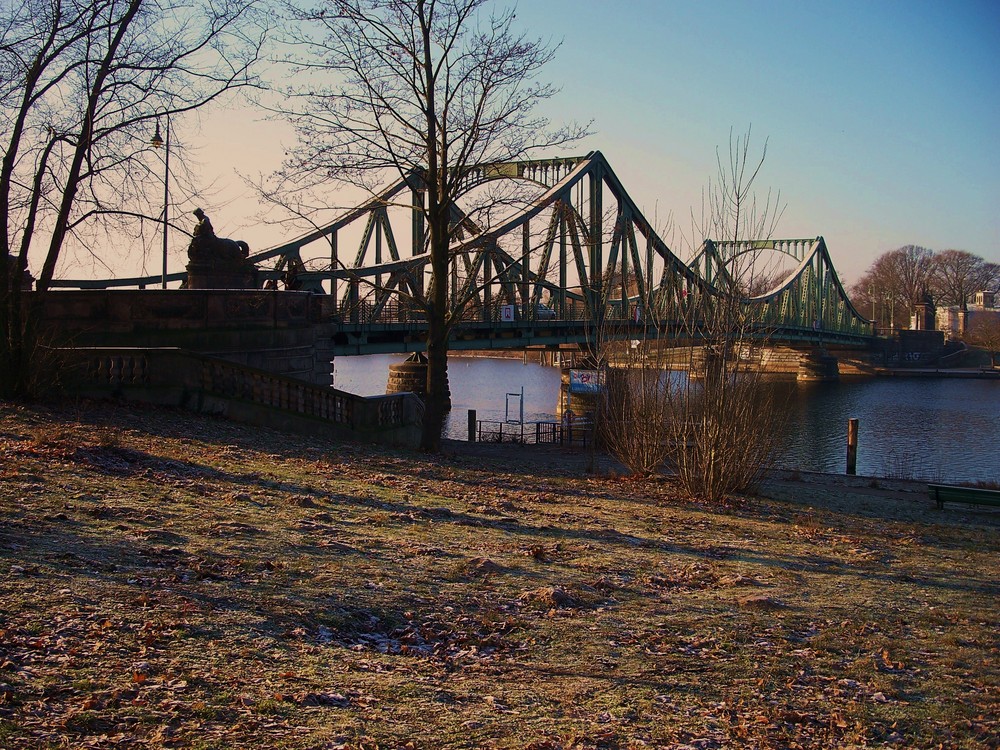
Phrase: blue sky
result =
(882, 117)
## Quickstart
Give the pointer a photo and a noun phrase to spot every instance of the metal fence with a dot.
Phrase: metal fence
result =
(578, 433)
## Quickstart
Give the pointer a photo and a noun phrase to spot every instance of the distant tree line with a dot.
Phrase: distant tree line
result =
(900, 278)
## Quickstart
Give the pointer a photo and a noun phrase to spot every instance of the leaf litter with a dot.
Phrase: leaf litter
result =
(175, 581)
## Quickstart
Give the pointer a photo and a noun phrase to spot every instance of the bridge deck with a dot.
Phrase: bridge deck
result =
(401, 337)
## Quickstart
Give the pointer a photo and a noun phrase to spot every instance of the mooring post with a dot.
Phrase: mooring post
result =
(852, 446)
(472, 425)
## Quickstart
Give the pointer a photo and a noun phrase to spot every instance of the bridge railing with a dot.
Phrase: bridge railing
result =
(207, 384)
(365, 312)
(786, 314)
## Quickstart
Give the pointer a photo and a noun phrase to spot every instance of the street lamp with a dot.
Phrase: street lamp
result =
(157, 142)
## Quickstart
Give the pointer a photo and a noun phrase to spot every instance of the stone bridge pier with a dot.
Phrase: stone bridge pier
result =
(410, 375)
(818, 366)
(812, 363)
(817, 363)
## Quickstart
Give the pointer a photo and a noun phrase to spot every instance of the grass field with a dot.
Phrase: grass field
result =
(175, 581)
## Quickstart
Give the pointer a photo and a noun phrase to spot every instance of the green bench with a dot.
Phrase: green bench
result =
(946, 493)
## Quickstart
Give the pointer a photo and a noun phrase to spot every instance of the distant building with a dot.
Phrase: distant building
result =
(955, 320)
(923, 318)
(984, 301)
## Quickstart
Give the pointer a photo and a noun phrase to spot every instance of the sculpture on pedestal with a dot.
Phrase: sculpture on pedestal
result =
(217, 262)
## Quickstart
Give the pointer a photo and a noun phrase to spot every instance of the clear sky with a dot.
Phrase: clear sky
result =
(882, 117)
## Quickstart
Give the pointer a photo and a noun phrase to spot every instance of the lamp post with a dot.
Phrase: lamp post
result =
(157, 141)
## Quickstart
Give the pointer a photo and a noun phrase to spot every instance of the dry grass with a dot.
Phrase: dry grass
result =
(170, 581)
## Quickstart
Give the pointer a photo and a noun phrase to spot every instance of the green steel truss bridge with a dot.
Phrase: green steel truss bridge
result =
(545, 253)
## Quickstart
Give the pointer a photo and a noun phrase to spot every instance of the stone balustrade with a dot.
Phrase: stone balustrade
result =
(207, 384)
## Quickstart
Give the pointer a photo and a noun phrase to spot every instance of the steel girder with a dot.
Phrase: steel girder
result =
(581, 245)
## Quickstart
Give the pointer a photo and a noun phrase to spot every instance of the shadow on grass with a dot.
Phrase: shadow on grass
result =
(243, 583)
(115, 461)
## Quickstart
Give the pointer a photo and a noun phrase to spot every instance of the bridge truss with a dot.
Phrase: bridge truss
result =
(549, 243)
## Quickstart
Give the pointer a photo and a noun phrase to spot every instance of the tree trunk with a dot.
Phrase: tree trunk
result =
(16, 347)
(437, 388)
(8, 342)
(83, 146)
(436, 404)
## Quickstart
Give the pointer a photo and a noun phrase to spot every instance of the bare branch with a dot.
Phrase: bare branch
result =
(421, 90)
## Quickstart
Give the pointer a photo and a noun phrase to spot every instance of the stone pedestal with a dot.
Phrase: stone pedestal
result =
(818, 366)
(229, 274)
(26, 279)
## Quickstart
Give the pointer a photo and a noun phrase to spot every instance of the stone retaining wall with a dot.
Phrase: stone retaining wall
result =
(206, 384)
(287, 333)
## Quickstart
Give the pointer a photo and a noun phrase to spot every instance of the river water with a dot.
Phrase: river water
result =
(933, 429)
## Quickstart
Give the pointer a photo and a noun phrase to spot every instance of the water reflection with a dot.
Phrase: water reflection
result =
(933, 429)
(927, 429)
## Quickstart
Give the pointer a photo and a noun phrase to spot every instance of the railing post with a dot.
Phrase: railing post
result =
(472, 425)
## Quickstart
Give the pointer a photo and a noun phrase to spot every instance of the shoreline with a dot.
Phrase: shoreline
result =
(926, 372)
(778, 483)
(537, 356)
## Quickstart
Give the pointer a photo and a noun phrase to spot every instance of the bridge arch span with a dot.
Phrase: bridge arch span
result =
(581, 245)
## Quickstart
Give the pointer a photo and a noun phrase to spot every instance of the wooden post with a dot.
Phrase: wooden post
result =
(852, 446)
(472, 425)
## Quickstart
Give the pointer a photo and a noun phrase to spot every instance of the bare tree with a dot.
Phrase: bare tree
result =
(900, 278)
(984, 331)
(894, 282)
(634, 413)
(718, 425)
(425, 89)
(82, 82)
(958, 274)
(726, 423)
